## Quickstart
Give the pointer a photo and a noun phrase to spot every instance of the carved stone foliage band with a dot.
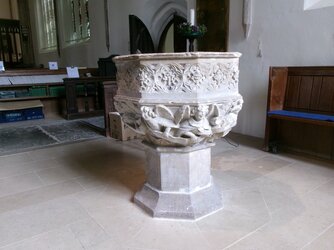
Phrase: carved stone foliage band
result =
(185, 125)
(177, 77)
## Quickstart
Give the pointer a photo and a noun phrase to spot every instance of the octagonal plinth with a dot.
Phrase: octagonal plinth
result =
(179, 184)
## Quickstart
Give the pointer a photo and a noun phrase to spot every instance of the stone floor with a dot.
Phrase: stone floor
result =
(79, 196)
(23, 136)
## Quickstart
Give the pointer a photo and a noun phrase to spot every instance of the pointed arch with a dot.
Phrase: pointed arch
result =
(317, 4)
(164, 15)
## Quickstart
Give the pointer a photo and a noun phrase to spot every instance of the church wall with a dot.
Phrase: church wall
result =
(83, 54)
(5, 10)
(152, 12)
(282, 34)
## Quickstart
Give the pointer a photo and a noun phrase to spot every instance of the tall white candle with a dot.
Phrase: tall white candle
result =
(192, 16)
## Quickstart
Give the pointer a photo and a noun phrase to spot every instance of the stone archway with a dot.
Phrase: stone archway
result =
(317, 4)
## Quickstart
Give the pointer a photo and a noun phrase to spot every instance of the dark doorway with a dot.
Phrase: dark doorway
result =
(214, 14)
(141, 40)
(179, 42)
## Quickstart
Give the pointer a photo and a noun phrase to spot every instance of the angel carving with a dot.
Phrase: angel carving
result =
(161, 119)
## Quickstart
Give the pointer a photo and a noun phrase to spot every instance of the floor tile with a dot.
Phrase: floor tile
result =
(324, 241)
(31, 221)
(38, 195)
(13, 159)
(163, 234)
(89, 233)
(19, 183)
(54, 240)
(244, 211)
(82, 198)
(58, 174)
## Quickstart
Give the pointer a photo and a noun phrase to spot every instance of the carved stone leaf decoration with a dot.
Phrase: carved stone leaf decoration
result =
(177, 77)
(217, 77)
(126, 77)
(193, 77)
(146, 78)
(168, 77)
(232, 73)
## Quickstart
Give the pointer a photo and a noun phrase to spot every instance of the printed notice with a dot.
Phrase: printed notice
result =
(72, 72)
(2, 66)
(53, 65)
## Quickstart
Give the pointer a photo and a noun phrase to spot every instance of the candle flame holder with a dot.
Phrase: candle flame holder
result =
(191, 33)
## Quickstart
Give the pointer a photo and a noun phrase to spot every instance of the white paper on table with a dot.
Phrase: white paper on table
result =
(72, 72)
(53, 65)
(2, 66)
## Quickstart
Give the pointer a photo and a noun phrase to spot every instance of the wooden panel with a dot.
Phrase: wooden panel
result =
(278, 77)
(308, 89)
(306, 138)
(315, 96)
(326, 94)
(305, 92)
(277, 87)
(110, 90)
(10, 43)
(302, 120)
(291, 134)
(292, 92)
(214, 14)
(311, 71)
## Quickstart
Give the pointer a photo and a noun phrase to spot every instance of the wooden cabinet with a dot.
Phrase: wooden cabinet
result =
(85, 90)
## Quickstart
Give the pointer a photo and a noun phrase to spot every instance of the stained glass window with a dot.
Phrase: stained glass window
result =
(47, 24)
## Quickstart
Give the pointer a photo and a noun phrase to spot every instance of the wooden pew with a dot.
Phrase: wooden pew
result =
(300, 110)
(38, 84)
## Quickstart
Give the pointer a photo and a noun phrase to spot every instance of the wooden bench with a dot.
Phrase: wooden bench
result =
(39, 84)
(300, 110)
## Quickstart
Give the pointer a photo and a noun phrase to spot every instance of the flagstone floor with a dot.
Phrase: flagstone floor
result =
(79, 196)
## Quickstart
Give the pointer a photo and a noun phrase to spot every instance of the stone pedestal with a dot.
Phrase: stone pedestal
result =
(179, 184)
(179, 103)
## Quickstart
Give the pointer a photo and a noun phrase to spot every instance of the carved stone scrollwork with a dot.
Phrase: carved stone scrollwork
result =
(184, 125)
(177, 77)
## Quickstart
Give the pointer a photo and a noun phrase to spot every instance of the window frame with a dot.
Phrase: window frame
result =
(72, 23)
(47, 30)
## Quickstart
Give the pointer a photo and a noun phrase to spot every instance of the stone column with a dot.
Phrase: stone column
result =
(179, 103)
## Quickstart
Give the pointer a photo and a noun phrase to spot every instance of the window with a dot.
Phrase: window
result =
(47, 25)
(76, 21)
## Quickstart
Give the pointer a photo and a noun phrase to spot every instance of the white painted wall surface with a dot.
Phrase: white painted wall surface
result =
(282, 34)
(317, 4)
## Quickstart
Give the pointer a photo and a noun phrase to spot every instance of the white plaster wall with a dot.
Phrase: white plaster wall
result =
(285, 35)
(316, 4)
